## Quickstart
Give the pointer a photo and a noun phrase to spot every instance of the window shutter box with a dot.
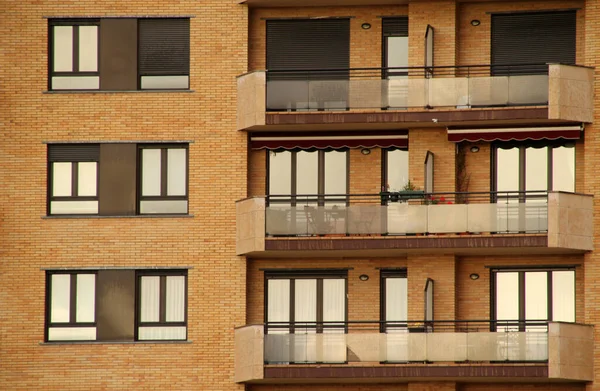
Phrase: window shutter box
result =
(74, 153)
(394, 27)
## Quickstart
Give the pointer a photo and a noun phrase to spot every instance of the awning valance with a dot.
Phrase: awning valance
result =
(319, 140)
(516, 134)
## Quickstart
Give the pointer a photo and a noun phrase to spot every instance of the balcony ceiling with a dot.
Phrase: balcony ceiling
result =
(320, 3)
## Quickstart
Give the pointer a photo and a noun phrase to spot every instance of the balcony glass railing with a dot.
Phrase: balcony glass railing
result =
(402, 342)
(402, 213)
(416, 87)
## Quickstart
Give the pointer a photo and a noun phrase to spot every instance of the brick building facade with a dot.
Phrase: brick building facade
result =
(197, 195)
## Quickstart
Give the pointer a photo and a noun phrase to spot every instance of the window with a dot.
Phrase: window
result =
(306, 174)
(73, 176)
(163, 179)
(394, 313)
(533, 294)
(117, 179)
(395, 163)
(119, 54)
(116, 305)
(306, 303)
(71, 306)
(535, 166)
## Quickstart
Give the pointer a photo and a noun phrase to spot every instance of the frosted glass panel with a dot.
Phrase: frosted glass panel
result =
(86, 298)
(397, 52)
(508, 169)
(150, 299)
(306, 301)
(563, 169)
(334, 300)
(536, 169)
(75, 83)
(73, 207)
(88, 48)
(162, 333)
(71, 334)
(536, 295)
(176, 171)
(278, 301)
(60, 299)
(151, 159)
(563, 296)
(158, 207)
(307, 171)
(396, 299)
(335, 172)
(63, 48)
(397, 169)
(280, 172)
(87, 179)
(507, 296)
(175, 311)
(165, 82)
(62, 179)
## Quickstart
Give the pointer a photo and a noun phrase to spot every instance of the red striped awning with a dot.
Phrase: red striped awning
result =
(516, 134)
(321, 140)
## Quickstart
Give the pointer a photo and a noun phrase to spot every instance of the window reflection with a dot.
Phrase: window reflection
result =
(536, 168)
(563, 168)
(307, 166)
(397, 169)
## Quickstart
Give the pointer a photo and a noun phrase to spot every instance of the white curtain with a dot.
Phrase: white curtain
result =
(175, 311)
(150, 298)
(396, 309)
(305, 301)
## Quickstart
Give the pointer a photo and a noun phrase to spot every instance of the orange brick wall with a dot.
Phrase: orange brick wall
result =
(365, 171)
(205, 241)
(441, 269)
(441, 15)
(478, 167)
(435, 140)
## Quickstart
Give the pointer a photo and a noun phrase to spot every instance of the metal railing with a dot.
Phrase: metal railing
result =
(406, 341)
(407, 87)
(406, 213)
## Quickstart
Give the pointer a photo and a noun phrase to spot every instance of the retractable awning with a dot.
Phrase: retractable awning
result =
(319, 140)
(516, 134)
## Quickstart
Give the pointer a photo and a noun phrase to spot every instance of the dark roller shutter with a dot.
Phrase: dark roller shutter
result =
(532, 38)
(73, 152)
(308, 44)
(395, 27)
(164, 46)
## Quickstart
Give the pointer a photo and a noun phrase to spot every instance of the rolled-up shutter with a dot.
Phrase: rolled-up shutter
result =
(395, 27)
(73, 152)
(164, 46)
(532, 38)
(308, 44)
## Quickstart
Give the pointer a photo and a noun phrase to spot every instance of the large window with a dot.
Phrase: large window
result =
(395, 162)
(307, 303)
(532, 295)
(101, 305)
(117, 179)
(119, 54)
(308, 174)
(537, 166)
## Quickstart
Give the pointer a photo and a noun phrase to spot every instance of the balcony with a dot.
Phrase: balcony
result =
(362, 99)
(411, 351)
(400, 223)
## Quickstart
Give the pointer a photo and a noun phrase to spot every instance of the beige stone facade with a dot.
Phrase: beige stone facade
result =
(223, 242)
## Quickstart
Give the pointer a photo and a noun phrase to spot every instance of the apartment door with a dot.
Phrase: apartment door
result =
(394, 314)
(395, 61)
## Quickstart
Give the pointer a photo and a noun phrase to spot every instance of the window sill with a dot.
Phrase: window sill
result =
(112, 91)
(51, 343)
(149, 216)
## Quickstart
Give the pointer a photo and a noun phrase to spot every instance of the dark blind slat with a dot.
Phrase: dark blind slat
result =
(74, 153)
(164, 46)
(306, 273)
(308, 44)
(534, 38)
(397, 27)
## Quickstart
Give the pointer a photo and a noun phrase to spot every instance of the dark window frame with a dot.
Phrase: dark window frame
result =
(163, 174)
(72, 323)
(74, 180)
(312, 274)
(522, 309)
(75, 23)
(163, 274)
(321, 198)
